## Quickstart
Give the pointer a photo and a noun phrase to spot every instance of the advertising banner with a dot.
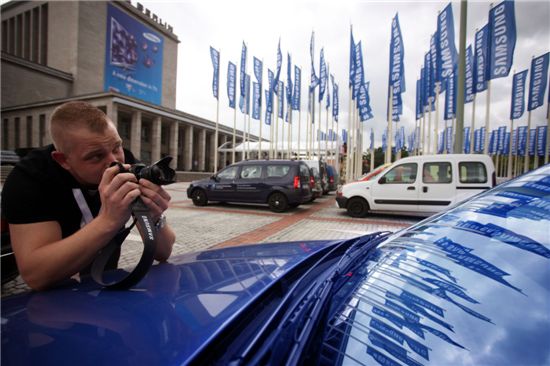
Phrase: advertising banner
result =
(133, 57)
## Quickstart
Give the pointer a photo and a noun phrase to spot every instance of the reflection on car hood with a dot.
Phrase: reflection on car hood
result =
(164, 320)
(471, 286)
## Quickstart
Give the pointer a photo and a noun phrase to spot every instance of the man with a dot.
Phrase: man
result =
(65, 202)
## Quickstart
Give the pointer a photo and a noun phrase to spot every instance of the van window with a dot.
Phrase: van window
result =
(229, 173)
(440, 172)
(472, 172)
(251, 172)
(404, 173)
(276, 171)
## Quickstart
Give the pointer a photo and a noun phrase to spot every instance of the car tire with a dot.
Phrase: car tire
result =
(357, 207)
(199, 197)
(277, 202)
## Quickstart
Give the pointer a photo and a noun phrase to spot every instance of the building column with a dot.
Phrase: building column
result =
(11, 133)
(47, 133)
(188, 148)
(202, 149)
(135, 134)
(35, 135)
(156, 130)
(23, 132)
(173, 147)
(224, 158)
(112, 112)
(213, 151)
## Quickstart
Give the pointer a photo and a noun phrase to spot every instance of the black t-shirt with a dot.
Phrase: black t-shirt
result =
(38, 189)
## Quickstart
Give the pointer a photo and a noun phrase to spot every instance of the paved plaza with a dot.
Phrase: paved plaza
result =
(223, 225)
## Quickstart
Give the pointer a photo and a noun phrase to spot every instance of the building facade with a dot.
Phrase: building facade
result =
(120, 58)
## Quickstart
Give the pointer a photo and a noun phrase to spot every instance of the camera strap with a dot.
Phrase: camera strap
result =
(147, 230)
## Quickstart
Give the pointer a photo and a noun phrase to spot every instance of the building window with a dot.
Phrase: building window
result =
(25, 35)
(146, 132)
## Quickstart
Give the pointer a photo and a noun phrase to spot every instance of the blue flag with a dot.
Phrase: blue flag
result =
(532, 141)
(256, 92)
(314, 80)
(231, 81)
(335, 100)
(469, 76)
(289, 80)
(397, 57)
(278, 70)
(430, 75)
(243, 69)
(501, 137)
(322, 75)
(258, 70)
(537, 81)
(363, 103)
(541, 140)
(435, 57)
(467, 142)
(296, 94)
(344, 135)
(418, 104)
(481, 59)
(493, 142)
(268, 111)
(447, 48)
(502, 41)
(522, 140)
(351, 58)
(215, 56)
(281, 87)
(269, 95)
(358, 77)
(518, 95)
(450, 96)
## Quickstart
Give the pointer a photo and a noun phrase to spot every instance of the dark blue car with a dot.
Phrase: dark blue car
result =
(279, 183)
(469, 286)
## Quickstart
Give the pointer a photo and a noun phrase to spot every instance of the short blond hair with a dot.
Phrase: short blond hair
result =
(74, 115)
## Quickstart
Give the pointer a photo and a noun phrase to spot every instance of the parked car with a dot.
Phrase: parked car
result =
(8, 157)
(333, 178)
(466, 287)
(321, 167)
(419, 185)
(279, 183)
(316, 185)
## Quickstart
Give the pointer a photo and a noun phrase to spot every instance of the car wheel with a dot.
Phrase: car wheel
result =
(199, 197)
(277, 202)
(357, 207)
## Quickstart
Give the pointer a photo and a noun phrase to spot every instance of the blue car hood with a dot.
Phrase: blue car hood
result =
(165, 319)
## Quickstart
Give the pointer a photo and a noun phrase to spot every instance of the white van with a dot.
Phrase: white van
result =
(419, 185)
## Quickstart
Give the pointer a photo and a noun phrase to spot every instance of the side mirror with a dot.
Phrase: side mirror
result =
(214, 177)
(382, 180)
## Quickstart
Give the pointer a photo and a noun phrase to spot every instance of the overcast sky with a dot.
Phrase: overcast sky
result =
(224, 25)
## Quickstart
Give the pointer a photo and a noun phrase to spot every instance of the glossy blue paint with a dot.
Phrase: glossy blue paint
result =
(468, 286)
(164, 320)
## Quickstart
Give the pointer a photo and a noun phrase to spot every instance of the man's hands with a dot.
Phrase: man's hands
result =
(155, 197)
(117, 192)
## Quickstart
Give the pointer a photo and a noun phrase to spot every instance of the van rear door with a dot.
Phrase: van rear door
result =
(438, 186)
(473, 177)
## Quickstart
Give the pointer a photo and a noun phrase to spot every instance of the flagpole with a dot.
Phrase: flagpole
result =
(260, 152)
(216, 135)
(422, 123)
(332, 152)
(430, 128)
(526, 162)
(307, 130)
(319, 120)
(487, 116)
(234, 133)
(348, 137)
(248, 134)
(389, 136)
(289, 130)
(243, 147)
(510, 149)
(546, 152)
(299, 153)
(535, 150)
(436, 122)
(271, 148)
(276, 128)
(472, 128)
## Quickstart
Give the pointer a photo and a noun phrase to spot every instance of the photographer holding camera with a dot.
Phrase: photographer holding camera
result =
(67, 201)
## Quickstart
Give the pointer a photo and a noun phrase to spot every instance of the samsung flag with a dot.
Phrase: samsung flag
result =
(434, 56)
(256, 92)
(481, 59)
(281, 99)
(278, 71)
(532, 141)
(358, 76)
(269, 95)
(449, 139)
(466, 140)
(322, 76)
(447, 48)
(501, 137)
(314, 79)
(522, 139)
(418, 105)
(231, 80)
(502, 28)
(469, 78)
(397, 56)
(269, 109)
(537, 81)
(541, 140)
(335, 99)
(215, 56)
(351, 58)
(296, 94)
(518, 95)
(243, 69)
(363, 104)
(450, 97)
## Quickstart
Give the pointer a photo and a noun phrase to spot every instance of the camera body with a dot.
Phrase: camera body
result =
(158, 173)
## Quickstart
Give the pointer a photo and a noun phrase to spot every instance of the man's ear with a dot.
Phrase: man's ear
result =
(61, 159)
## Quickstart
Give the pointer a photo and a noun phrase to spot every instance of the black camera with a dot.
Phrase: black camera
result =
(159, 173)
